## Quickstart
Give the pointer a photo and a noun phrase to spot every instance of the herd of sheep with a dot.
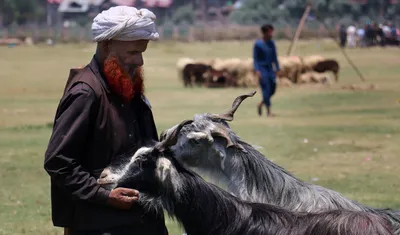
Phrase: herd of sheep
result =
(235, 72)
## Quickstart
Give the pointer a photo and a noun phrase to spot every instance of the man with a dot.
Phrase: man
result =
(101, 115)
(361, 36)
(342, 35)
(351, 36)
(264, 56)
(380, 35)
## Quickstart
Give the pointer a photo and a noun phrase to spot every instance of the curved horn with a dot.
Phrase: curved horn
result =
(171, 137)
(228, 116)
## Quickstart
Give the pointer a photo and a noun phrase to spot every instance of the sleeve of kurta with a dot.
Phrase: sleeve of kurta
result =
(275, 57)
(256, 57)
(64, 153)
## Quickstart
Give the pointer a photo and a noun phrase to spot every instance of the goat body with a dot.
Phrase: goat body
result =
(204, 209)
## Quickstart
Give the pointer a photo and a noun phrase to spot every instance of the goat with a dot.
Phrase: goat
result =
(204, 209)
(209, 146)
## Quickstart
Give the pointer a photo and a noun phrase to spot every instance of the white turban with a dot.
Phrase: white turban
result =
(124, 23)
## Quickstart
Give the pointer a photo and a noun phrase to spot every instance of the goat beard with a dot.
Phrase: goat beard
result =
(121, 83)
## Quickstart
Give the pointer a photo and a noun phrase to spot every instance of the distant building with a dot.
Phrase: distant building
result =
(74, 9)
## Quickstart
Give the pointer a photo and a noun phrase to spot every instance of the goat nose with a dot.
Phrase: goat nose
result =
(104, 174)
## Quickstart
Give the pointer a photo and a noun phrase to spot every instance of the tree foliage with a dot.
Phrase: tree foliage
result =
(290, 11)
(183, 15)
(21, 11)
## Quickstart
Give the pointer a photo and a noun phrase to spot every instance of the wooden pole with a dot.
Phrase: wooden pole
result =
(299, 29)
(342, 50)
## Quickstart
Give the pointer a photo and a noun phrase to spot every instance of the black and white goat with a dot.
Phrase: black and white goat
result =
(208, 146)
(204, 209)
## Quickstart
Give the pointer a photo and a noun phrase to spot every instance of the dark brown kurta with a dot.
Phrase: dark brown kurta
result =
(92, 126)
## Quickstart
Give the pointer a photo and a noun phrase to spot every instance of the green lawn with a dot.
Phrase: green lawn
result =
(353, 136)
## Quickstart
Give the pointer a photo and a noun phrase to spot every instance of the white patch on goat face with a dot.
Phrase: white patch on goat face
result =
(167, 174)
(117, 174)
(163, 168)
(139, 153)
(222, 156)
(199, 136)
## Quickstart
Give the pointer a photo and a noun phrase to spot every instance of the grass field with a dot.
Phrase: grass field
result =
(353, 136)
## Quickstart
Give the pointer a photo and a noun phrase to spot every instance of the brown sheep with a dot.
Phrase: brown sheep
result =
(198, 71)
(328, 65)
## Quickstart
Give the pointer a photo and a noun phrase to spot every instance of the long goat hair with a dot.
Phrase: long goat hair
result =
(204, 209)
(249, 174)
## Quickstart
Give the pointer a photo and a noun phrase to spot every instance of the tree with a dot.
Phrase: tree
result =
(330, 11)
(183, 14)
(260, 11)
(21, 11)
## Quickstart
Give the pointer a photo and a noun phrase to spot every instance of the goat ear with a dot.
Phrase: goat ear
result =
(163, 135)
(157, 150)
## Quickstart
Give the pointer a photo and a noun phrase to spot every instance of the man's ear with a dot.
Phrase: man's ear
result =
(107, 47)
(102, 46)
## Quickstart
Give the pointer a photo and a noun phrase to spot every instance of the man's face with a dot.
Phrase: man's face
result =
(128, 54)
(268, 34)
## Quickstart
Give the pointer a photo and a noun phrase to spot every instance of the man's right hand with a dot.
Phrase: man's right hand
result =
(258, 74)
(123, 198)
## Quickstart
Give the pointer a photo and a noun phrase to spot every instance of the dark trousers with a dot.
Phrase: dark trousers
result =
(268, 87)
(149, 229)
(342, 41)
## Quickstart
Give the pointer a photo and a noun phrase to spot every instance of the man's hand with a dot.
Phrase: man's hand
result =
(258, 74)
(278, 73)
(123, 198)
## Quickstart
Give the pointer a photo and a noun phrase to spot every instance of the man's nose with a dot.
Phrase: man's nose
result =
(139, 60)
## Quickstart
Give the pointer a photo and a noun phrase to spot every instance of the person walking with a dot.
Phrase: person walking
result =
(264, 57)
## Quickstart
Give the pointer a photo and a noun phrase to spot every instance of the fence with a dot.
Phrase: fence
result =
(40, 33)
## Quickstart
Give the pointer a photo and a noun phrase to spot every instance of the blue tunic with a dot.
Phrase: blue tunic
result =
(264, 56)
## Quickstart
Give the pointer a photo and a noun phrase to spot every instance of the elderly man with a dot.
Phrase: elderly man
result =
(103, 113)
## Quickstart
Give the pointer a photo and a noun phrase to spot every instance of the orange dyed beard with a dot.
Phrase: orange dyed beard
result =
(120, 82)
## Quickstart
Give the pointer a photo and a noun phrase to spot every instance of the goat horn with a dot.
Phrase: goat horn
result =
(170, 138)
(221, 132)
(228, 116)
